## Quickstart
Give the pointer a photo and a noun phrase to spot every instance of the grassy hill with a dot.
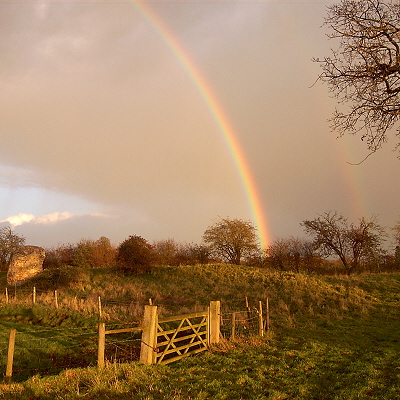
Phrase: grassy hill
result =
(330, 337)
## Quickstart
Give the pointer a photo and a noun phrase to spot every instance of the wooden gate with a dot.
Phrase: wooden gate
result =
(169, 339)
(181, 336)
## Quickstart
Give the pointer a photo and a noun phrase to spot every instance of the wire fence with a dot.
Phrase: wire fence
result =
(93, 305)
(49, 350)
(240, 324)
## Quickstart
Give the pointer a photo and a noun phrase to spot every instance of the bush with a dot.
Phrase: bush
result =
(94, 254)
(56, 278)
(136, 255)
(60, 256)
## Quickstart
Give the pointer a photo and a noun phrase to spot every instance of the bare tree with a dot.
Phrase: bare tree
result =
(292, 254)
(353, 244)
(232, 239)
(364, 72)
(396, 230)
(10, 244)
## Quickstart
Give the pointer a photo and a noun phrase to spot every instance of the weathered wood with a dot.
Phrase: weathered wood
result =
(101, 345)
(56, 298)
(186, 339)
(267, 322)
(99, 308)
(214, 322)
(260, 319)
(10, 354)
(178, 349)
(181, 328)
(233, 328)
(149, 335)
(248, 310)
(177, 358)
(184, 316)
(193, 334)
(201, 340)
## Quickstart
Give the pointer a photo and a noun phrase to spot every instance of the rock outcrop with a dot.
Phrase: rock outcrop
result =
(26, 264)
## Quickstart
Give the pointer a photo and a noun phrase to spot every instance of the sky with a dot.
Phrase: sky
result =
(156, 118)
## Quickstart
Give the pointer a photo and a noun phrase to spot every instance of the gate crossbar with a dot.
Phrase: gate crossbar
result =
(197, 337)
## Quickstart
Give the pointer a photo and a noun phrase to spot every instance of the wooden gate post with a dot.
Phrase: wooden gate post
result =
(10, 354)
(214, 322)
(101, 345)
(149, 335)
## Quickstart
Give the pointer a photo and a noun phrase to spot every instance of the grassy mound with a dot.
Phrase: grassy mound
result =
(331, 337)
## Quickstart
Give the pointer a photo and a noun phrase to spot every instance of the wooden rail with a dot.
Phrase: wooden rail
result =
(102, 332)
(169, 339)
(190, 337)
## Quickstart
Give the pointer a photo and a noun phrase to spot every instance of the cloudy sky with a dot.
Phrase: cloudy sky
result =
(106, 129)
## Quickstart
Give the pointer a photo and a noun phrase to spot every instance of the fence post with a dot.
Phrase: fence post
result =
(233, 331)
(6, 295)
(260, 319)
(214, 321)
(10, 354)
(149, 335)
(34, 295)
(56, 298)
(267, 315)
(100, 310)
(101, 345)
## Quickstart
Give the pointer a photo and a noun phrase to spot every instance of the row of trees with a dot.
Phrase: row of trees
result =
(134, 253)
(355, 247)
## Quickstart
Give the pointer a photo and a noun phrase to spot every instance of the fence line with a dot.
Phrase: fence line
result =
(163, 340)
(93, 304)
(98, 306)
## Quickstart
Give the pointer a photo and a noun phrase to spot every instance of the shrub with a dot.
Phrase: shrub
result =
(94, 254)
(60, 256)
(55, 278)
(136, 255)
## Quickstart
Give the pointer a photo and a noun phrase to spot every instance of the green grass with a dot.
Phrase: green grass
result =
(331, 338)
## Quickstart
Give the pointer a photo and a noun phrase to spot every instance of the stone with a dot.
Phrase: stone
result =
(26, 264)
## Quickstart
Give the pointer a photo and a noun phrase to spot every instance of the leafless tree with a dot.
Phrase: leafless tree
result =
(363, 73)
(353, 244)
(10, 244)
(292, 254)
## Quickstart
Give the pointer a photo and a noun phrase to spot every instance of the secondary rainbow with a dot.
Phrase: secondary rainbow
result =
(219, 116)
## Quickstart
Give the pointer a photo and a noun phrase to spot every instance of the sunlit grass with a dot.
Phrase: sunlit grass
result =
(331, 337)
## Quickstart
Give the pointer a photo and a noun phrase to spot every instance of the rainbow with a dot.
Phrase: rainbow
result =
(219, 116)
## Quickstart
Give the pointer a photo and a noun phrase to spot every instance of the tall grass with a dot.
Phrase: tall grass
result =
(331, 337)
(191, 288)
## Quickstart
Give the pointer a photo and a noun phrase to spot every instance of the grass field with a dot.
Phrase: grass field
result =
(331, 338)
